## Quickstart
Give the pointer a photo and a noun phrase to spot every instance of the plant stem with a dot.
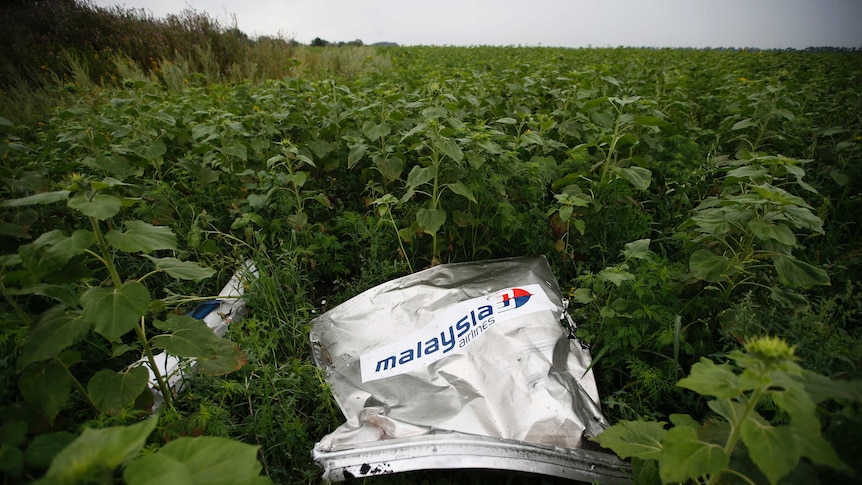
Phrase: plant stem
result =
(106, 253)
(77, 384)
(163, 386)
(736, 428)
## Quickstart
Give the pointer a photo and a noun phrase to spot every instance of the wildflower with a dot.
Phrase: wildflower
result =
(743, 79)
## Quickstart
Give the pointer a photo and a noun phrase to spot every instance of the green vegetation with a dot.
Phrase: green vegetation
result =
(691, 202)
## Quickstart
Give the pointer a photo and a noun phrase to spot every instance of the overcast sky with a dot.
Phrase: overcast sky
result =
(568, 23)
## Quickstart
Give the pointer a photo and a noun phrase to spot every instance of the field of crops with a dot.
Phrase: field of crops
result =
(688, 201)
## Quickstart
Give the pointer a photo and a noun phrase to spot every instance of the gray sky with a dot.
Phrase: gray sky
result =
(568, 23)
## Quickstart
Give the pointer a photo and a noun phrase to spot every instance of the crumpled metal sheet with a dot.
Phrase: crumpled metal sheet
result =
(460, 366)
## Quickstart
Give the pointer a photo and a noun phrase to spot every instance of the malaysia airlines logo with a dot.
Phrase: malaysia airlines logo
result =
(512, 298)
(453, 329)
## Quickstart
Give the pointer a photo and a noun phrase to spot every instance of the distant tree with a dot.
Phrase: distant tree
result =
(318, 42)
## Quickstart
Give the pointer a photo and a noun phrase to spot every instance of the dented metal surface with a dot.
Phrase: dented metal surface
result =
(460, 366)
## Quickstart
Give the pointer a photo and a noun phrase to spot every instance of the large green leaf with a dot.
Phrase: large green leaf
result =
(637, 249)
(639, 177)
(112, 391)
(430, 220)
(640, 439)
(821, 388)
(773, 449)
(708, 379)
(226, 357)
(420, 175)
(790, 395)
(97, 452)
(375, 131)
(686, 457)
(184, 270)
(237, 150)
(730, 410)
(53, 249)
(37, 199)
(355, 154)
(450, 148)
(708, 266)
(100, 206)
(140, 236)
(462, 190)
(46, 386)
(54, 331)
(818, 449)
(778, 232)
(390, 166)
(206, 459)
(45, 447)
(615, 275)
(115, 311)
(185, 337)
(796, 274)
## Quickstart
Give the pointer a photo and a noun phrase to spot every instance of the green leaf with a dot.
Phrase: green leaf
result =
(818, 449)
(795, 401)
(226, 357)
(708, 266)
(12, 432)
(765, 232)
(686, 457)
(115, 311)
(430, 220)
(140, 236)
(390, 167)
(640, 439)
(450, 148)
(732, 411)
(53, 332)
(184, 270)
(97, 452)
(583, 296)
(206, 459)
(238, 150)
(11, 460)
(821, 388)
(112, 391)
(53, 249)
(46, 386)
(772, 448)
(374, 131)
(37, 199)
(795, 273)
(742, 124)
(615, 275)
(639, 177)
(683, 420)
(462, 190)
(637, 249)
(708, 379)
(420, 175)
(101, 206)
(152, 151)
(506, 121)
(356, 153)
(45, 447)
(186, 337)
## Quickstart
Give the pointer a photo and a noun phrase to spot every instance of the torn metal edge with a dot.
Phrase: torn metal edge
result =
(464, 451)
